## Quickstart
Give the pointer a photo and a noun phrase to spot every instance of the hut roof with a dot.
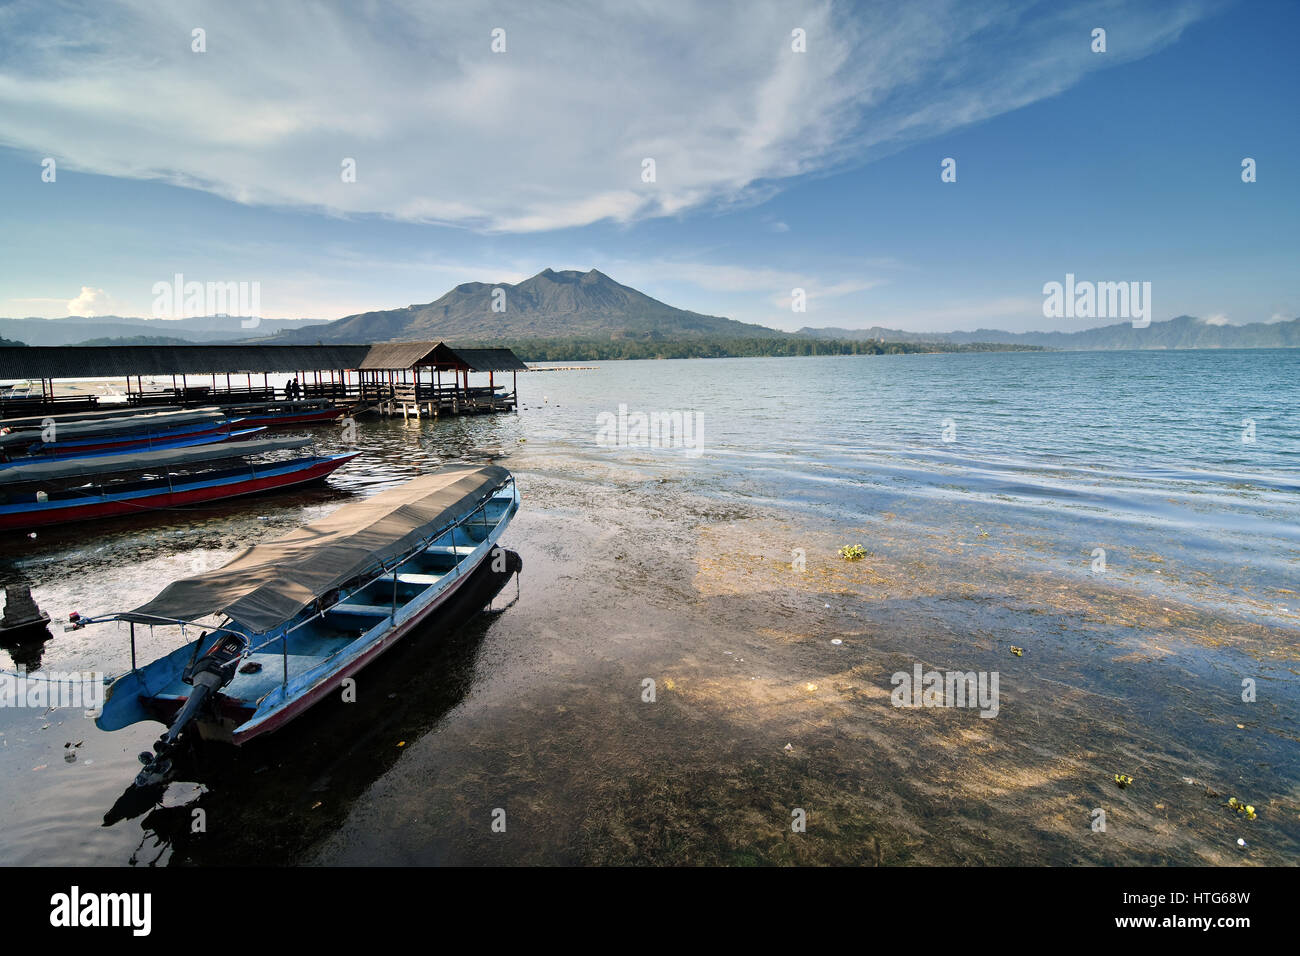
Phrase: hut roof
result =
(478, 360)
(398, 355)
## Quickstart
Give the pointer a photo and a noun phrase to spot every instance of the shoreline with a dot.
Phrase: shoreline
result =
(702, 775)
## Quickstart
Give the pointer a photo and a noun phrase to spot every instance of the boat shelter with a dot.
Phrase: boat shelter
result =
(432, 378)
(165, 374)
(428, 377)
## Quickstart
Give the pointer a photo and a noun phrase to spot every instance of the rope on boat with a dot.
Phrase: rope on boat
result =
(51, 680)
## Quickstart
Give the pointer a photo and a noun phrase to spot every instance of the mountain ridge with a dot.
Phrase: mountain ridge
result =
(570, 305)
(551, 304)
(1181, 332)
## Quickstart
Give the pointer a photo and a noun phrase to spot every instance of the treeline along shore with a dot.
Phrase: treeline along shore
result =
(590, 350)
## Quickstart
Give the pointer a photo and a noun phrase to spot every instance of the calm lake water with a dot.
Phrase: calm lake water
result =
(987, 489)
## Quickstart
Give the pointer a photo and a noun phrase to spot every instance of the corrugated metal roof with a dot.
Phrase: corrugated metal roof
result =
(85, 361)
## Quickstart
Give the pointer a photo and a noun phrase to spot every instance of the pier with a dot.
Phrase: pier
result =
(420, 379)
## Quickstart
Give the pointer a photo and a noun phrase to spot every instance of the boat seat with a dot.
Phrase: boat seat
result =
(406, 577)
(448, 549)
(369, 610)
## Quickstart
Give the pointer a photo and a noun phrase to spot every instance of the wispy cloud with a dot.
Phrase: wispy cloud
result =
(550, 134)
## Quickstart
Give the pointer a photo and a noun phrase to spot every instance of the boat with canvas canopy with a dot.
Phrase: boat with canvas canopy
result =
(303, 411)
(60, 452)
(57, 438)
(40, 493)
(285, 622)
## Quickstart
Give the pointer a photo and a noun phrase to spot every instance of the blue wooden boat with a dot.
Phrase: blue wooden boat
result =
(284, 623)
(44, 492)
(104, 435)
(62, 452)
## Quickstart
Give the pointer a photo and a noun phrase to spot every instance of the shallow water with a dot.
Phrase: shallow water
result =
(645, 563)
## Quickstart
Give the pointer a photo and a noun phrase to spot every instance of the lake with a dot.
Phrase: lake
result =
(1127, 522)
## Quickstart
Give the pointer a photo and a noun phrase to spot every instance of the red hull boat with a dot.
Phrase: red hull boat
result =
(176, 491)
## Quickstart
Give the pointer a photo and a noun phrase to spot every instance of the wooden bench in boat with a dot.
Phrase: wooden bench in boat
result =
(407, 577)
(368, 610)
(449, 549)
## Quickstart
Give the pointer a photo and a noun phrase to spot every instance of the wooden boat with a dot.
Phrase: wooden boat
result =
(79, 436)
(45, 493)
(277, 414)
(296, 616)
(62, 451)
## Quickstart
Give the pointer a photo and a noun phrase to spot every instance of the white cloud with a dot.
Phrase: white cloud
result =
(550, 134)
(90, 302)
(1217, 319)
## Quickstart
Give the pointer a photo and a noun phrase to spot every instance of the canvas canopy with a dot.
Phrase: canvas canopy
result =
(125, 425)
(123, 411)
(92, 465)
(269, 584)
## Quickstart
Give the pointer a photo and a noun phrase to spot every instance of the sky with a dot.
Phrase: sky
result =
(774, 168)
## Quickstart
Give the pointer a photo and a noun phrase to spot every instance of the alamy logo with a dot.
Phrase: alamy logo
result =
(74, 908)
(683, 430)
(953, 689)
(1098, 300)
(179, 299)
(52, 689)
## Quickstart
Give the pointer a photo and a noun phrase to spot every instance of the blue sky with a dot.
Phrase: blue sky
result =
(774, 169)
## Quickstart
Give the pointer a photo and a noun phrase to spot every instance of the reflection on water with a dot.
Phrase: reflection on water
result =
(336, 752)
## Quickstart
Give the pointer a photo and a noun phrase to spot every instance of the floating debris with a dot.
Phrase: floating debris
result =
(1018, 651)
(1123, 780)
(836, 640)
(853, 552)
(1244, 809)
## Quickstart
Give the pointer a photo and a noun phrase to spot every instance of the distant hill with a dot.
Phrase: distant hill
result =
(550, 305)
(138, 340)
(589, 314)
(75, 330)
(1184, 332)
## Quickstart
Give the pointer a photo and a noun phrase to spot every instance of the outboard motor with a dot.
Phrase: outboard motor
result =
(207, 675)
